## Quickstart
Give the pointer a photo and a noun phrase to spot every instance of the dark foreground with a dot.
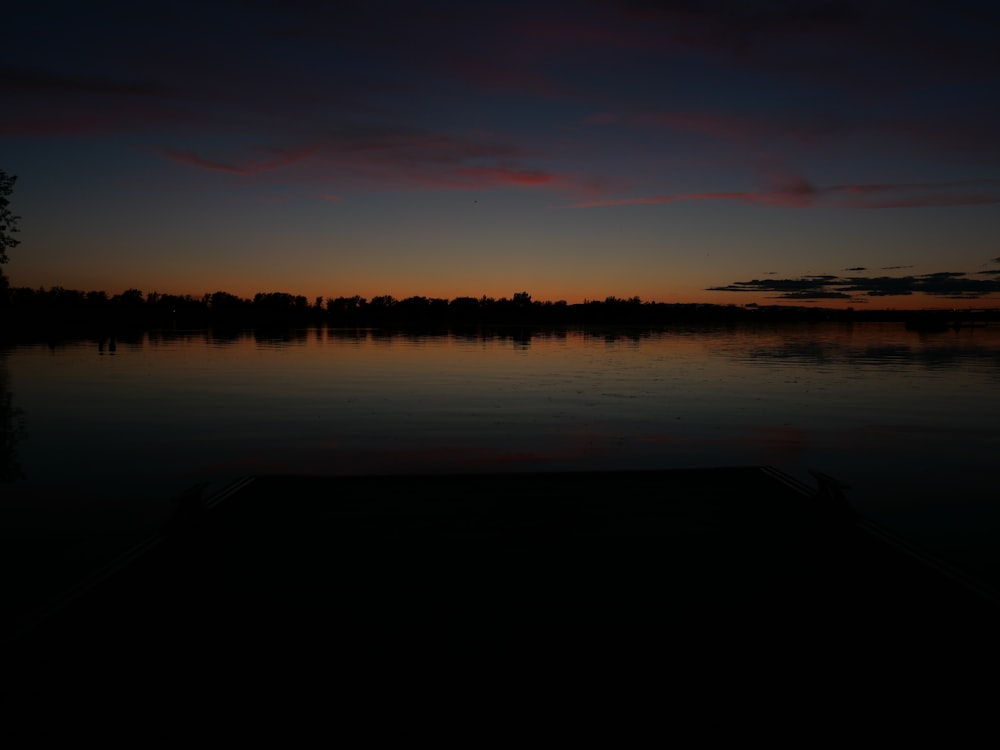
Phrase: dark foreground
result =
(691, 562)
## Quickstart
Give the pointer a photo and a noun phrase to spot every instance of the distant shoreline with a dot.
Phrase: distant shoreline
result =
(60, 313)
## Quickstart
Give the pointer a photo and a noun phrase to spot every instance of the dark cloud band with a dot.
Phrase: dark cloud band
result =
(948, 284)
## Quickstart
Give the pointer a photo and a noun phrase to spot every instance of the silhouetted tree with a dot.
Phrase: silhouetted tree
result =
(346, 310)
(173, 303)
(465, 304)
(66, 298)
(97, 299)
(131, 298)
(8, 221)
(275, 301)
(345, 304)
(438, 308)
(8, 225)
(223, 301)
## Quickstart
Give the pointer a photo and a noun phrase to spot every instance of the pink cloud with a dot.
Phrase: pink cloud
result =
(972, 135)
(627, 201)
(602, 118)
(721, 125)
(799, 193)
(742, 128)
(369, 158)
(249, 168)
(501, 175)
(482, 178)
(788, 199)
(508, 175)
(192, 159)
(385, 159)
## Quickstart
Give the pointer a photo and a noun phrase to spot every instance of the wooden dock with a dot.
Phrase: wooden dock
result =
(274, 560)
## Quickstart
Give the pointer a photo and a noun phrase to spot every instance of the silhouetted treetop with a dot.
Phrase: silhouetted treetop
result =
(8, 221)
(62, 310)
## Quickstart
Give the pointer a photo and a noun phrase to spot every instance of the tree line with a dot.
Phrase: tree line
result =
(59, 308)
(25, 303)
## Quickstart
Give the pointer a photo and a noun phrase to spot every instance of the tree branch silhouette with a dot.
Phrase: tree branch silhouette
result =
(8, 221)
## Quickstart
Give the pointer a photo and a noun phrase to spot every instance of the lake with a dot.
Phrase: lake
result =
(910, 421)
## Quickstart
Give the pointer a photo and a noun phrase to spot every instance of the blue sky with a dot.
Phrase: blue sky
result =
(773, 152)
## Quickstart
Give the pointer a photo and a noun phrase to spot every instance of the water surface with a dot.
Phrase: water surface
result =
(910, 421)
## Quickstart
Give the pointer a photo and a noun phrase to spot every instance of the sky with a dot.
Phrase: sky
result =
(733, 152)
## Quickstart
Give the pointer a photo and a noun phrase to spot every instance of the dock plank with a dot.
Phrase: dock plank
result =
(282, 559)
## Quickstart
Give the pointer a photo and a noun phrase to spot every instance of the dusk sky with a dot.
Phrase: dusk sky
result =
(833, 153)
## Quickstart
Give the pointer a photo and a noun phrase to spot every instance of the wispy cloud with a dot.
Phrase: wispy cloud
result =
(799, 193)
(474, 178)
(385, 159)
(248, 167)
(501, 175)
(390, 96)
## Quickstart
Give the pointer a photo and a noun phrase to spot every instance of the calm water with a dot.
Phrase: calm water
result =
(911, 422)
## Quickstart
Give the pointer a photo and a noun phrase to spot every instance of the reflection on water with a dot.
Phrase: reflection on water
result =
(12, 428)
(910, 421)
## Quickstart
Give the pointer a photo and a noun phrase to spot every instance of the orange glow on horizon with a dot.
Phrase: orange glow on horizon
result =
(571, 293)
(572, 297)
